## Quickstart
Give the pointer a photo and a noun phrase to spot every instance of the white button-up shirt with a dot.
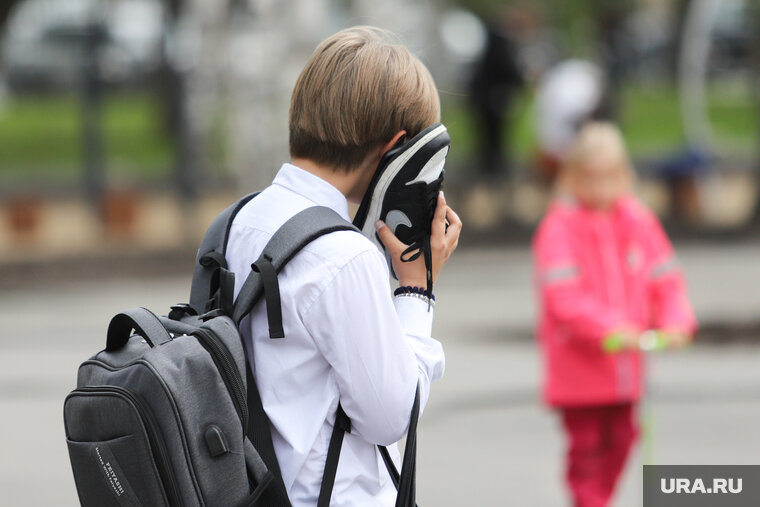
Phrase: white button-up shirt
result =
(346, 340)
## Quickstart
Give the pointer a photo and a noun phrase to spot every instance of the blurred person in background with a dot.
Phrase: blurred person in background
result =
(495, 82)
(604, 270)
(568, 94)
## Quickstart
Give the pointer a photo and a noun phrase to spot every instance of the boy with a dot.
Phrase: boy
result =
(604, 268)
(346, 340)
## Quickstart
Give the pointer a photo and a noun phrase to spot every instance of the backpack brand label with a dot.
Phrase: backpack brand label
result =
(114, 476)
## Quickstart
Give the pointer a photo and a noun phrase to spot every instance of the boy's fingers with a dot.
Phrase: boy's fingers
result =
(438, 227)
(455, 223)
(391, 242)
(455, 227)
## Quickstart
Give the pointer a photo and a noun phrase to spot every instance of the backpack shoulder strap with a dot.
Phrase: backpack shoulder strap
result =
(287, 241)
(211, 255)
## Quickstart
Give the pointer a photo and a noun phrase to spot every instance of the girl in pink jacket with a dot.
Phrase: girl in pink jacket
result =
(605, 272)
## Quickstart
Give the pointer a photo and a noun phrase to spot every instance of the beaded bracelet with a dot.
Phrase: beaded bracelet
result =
(421, 297)
(408, 289)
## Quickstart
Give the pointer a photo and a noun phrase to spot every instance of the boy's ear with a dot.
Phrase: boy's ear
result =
(390, 144)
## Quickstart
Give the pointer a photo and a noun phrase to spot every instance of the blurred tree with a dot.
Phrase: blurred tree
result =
(678, 22)
(92, 112)
(6, 7)
(610, 17)
(578, 22)
(176, 103)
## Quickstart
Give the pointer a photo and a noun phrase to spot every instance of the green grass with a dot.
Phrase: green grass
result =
(651, 123)
(136, 140)
(40, 139)
(652, 120)
(38, 136)
(735, 121)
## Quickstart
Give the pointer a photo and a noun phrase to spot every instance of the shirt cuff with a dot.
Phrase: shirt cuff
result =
(416, 316)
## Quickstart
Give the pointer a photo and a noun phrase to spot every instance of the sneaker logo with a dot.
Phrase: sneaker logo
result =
(432, 169)
(394, 218)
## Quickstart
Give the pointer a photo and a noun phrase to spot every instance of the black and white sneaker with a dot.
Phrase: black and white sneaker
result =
(404, 192)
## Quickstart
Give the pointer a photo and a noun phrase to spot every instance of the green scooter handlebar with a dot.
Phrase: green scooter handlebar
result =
(649, 341)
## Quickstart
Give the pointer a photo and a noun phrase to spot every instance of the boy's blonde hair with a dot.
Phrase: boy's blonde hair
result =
(598, 140)
(359, 88)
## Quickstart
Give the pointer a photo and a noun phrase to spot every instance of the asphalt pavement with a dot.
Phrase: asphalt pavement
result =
(485, 438)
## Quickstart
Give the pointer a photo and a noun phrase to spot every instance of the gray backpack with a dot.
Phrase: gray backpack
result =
(158, 418)
(171, 416)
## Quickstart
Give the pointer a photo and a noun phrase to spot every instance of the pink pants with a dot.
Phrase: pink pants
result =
(599, 441)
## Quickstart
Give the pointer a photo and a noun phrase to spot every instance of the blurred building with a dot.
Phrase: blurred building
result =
(44, 42)
(244, 57)
(227, 66)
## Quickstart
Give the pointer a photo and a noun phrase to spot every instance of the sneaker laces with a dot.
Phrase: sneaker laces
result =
(420, 244)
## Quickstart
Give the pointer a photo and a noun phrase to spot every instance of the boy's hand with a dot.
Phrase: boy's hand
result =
(444, 239)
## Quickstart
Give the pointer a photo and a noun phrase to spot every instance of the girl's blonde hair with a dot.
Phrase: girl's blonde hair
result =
(598, 139)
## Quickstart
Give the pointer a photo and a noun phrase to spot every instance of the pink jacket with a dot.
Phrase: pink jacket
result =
(596, 272)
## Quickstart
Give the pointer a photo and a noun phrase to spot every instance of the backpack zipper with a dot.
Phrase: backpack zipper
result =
(157, 444)
(227, 369)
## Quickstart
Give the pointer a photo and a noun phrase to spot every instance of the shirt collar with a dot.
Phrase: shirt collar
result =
(312, 187)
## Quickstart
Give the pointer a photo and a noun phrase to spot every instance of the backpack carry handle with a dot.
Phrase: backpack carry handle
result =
(211, 255)
(141, 320)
